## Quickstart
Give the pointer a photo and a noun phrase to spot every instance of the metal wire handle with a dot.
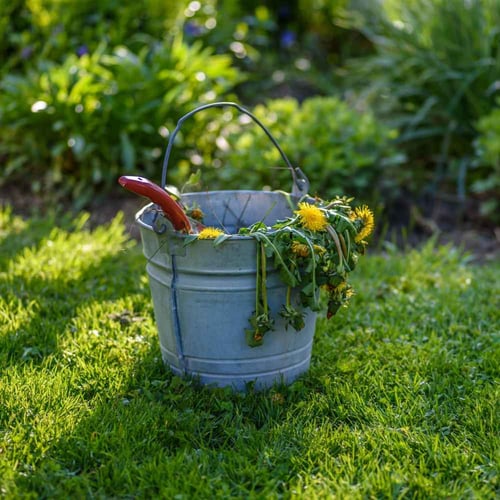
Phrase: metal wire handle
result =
(300, 181)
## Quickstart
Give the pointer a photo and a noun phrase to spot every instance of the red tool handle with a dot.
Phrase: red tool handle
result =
(144, 187)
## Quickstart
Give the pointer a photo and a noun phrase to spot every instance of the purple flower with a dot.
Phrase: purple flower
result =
(27, 52)
(192, 29)
(82, 50)
(287, 39)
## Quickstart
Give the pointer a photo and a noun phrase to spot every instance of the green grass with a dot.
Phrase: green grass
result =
(401, 400)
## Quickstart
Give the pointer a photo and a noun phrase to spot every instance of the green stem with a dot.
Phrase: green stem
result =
(311, 249)
(345, 219)
(263, 264)
(289, 296)
(257, 281)
(276, 253)
(336, 240)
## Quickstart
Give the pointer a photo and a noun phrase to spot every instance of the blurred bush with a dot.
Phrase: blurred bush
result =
(91, 89)
(340, 150)
(75, 126)
(51, 29)
(435, 74)
(286, 48)
(487, 184)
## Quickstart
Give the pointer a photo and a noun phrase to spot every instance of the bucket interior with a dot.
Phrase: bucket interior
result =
(232, 210)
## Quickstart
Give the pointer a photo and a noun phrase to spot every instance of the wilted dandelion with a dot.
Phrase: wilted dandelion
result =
(365, 215)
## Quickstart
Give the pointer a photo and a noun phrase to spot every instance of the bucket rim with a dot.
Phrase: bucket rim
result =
(171, 233)
(273, 192)
(229, 237)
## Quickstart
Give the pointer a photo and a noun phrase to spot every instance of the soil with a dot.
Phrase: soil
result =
(410, 223)
(101, 210)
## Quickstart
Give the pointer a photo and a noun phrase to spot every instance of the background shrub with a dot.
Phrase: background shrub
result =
(77, 125)
(487, 183)
(435, 74)
(340, 150)
(89, 90)
(31, 30)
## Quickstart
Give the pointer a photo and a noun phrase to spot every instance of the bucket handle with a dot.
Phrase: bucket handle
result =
(300, 181)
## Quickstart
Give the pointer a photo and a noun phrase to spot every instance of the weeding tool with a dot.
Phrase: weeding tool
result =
(172, 209)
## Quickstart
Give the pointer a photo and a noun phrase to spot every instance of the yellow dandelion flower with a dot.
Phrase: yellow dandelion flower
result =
(366, 216)
(300, 249)
(311, 217)
(319, 249)
(209, 233)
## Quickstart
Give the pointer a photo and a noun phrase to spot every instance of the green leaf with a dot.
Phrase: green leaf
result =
(190, 238)
(220, 239)
(127, 152)
(251, 339)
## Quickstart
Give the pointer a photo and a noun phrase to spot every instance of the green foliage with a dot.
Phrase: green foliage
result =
(286, 48)
(31, 30)
(315, 248)
(401, 399)
(77, 125)
(436, 71)
(432, 74)
(340, 150)
(488, 152)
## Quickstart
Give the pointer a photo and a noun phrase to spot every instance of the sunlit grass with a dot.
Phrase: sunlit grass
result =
(401, 399)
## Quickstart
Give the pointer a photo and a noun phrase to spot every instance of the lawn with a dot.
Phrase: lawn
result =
(401, 400)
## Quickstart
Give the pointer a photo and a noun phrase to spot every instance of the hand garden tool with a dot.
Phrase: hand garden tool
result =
(173, 210)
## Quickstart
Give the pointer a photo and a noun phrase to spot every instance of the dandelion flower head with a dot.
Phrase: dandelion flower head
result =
(300, 249)
(319, 249)
(311, 217)
(209, 233)
(365, 215)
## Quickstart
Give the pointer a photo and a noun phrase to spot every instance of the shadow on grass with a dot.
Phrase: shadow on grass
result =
(157, 434)
(139, 425)
(136, 433)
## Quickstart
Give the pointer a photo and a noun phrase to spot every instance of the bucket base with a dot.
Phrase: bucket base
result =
(237, 374)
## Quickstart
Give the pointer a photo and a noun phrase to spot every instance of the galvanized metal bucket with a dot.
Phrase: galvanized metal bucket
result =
(203, 295)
